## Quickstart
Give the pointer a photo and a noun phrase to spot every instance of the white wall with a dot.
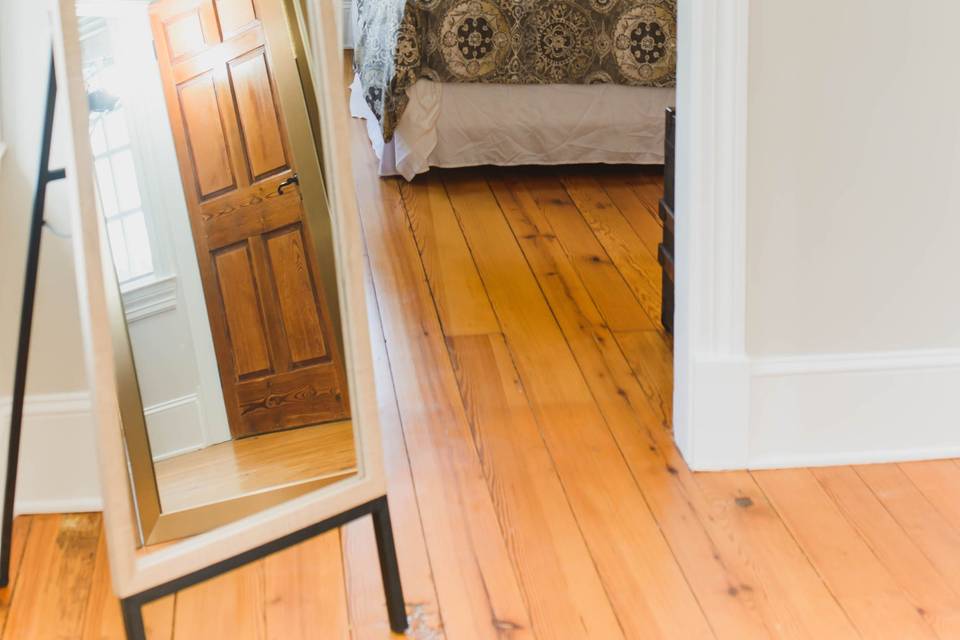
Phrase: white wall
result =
(58, 453)
(853, 225)
(854, 176)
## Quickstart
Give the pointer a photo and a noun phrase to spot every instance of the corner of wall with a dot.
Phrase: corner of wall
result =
(719, 416)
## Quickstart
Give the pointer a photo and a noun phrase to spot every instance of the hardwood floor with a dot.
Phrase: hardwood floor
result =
(525, 392)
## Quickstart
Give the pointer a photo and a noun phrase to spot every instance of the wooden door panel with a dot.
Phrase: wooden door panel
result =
(216, 55)
(296, 292)
(205, 136)
(257, 210)
(235, 15)
(242, 311)
(258, 114)
(279, 361)
(184, 34)
(290, 400)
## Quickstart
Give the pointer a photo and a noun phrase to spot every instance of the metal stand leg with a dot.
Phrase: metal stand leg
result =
(132, 610)
(132, 606)
(44, 177)
(389, 569)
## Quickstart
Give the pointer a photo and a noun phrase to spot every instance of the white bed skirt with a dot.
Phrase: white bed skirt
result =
(459, 125)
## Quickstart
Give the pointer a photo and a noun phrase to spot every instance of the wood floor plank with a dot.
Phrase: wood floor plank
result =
(304, 591)
(612, 294)
(103, 620)
(638, 267)
(627, 545)
(643, 221)
(478, 591)
(938, 480)
(231, 605)
(930, 594)
(647, 185)
(797, 603)
(766, 571)
(368, 617)
(456, 288)
(641, 433)
(18, 542)
(561, 585)
(924, 524)
(862, 585)
(650, 355)
(54, 583)
(158, 618)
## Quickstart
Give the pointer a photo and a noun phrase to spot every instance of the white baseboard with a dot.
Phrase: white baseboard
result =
(58, 505)
(175, 426)
(854, 408)
(717, 431)
(58, 461)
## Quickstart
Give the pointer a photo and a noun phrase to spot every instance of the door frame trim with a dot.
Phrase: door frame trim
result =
(711, 364)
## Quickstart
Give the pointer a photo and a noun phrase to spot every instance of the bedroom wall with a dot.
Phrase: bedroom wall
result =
(58, 461)
(853, 206)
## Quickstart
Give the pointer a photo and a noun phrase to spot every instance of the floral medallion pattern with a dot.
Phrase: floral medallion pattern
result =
(630, 42)
(474, 39)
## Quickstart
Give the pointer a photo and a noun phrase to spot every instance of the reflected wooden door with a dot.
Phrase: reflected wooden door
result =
(280, 364)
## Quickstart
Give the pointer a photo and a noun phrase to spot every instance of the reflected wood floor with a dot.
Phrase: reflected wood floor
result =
(524, 386)
(241, 467)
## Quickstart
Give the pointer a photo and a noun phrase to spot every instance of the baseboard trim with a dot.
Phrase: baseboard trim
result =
(175, 426)
(876, 456)
(58, 465)
(927, 359)
(718, 434)
(854, 408)
(54, 505)
(50, 404)
(179, 452)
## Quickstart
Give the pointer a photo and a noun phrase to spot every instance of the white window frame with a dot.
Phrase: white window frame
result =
(144, 139)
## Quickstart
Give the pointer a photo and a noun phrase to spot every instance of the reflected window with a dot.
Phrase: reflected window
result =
(118, 191)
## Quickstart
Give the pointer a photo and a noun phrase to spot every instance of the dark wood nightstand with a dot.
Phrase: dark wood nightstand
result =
(665, 252)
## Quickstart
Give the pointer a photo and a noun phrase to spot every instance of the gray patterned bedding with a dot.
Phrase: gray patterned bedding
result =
(396, 42)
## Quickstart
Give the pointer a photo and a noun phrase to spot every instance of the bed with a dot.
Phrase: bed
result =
(508, 82)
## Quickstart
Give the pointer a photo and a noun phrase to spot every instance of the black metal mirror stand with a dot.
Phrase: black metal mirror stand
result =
(44, 177)
(132, 606)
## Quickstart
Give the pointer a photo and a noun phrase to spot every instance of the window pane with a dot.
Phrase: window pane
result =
(118, 249)
(108, 194)
(116, 125)
(137, 244)
(97, 140)
(125, 180)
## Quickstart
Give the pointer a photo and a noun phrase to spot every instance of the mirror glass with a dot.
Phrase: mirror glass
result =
(211, 198)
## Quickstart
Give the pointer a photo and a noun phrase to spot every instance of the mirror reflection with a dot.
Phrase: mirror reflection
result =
(211, 197)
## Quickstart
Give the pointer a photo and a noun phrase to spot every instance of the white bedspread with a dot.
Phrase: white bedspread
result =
(457, 125)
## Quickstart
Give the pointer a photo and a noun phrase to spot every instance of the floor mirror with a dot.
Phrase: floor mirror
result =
(220, 275)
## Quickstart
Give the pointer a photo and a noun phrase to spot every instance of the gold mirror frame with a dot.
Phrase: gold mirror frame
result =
(118, 407)
(282, 24)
